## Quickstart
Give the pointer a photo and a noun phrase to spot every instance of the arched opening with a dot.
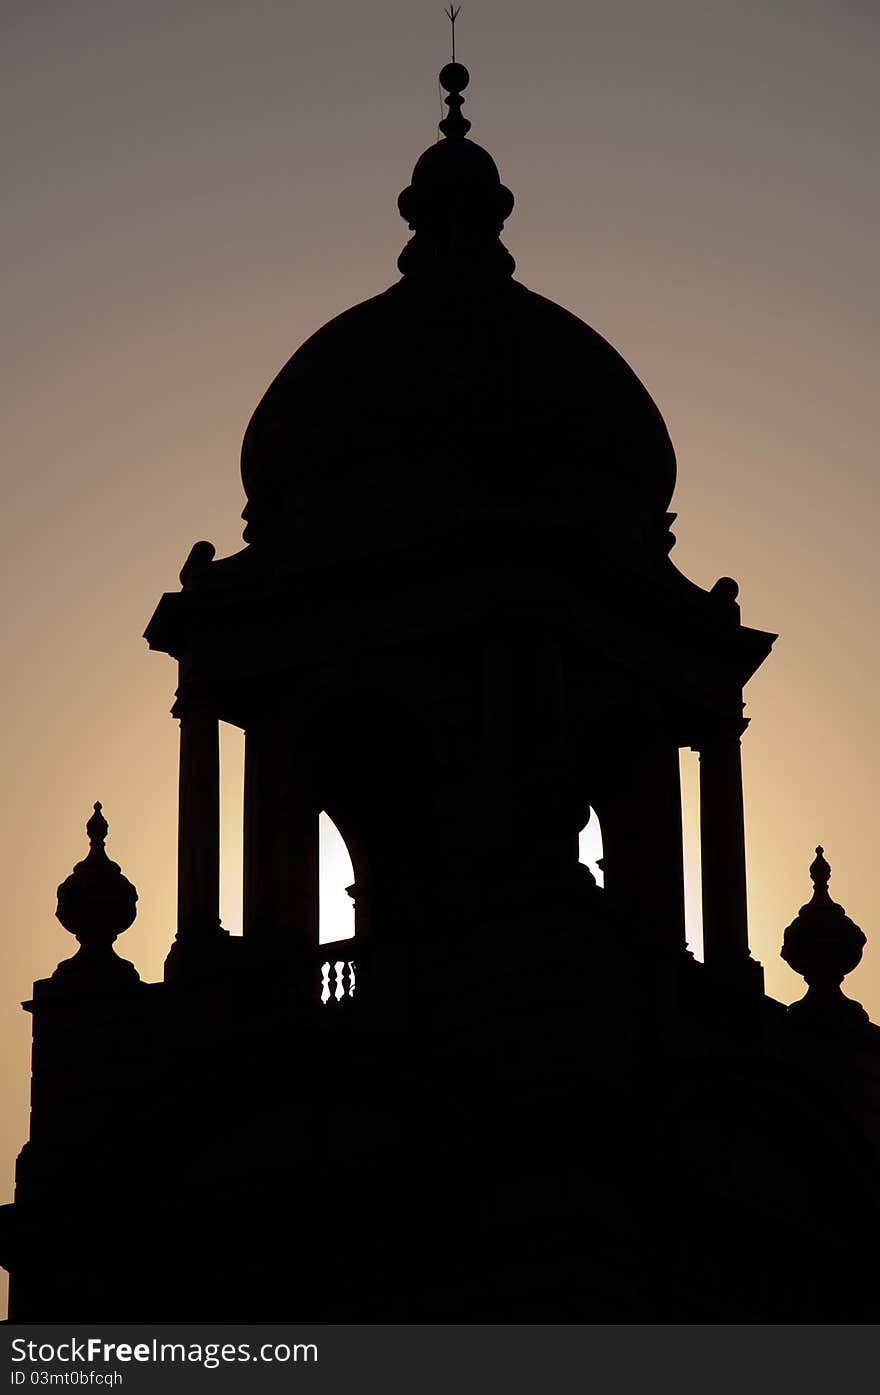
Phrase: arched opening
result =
(335, 876)
(231, 824)
(690, 828)
(590, 847)
(335, 909)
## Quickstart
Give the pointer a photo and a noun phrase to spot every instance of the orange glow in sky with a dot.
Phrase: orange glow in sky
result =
(191, 191)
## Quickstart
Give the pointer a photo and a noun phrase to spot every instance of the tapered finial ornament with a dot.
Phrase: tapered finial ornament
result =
(454, 78)
(96, 903)
(823, 945)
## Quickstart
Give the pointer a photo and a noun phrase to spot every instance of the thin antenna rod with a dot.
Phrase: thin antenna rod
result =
(452, 15)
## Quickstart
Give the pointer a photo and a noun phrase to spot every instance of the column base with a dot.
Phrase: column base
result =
(200, 954)
(742, 974)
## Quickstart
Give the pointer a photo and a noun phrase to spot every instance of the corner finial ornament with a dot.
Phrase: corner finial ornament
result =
(201, 555)
(823, 945)
(96, 903)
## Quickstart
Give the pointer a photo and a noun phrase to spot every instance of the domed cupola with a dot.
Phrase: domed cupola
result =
(456, 203)
(457, 403)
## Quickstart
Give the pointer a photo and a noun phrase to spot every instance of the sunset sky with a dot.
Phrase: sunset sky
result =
(192, 188)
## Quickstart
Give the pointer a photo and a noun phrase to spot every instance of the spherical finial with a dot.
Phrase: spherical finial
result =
(454, 77)
(726, 589)
(201, 555)
(454, 126)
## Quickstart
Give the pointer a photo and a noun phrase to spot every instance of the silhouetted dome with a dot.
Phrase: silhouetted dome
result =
(455, 400)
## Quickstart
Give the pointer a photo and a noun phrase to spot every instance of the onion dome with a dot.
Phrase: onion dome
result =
(823, 945)
(456, 401)
(96, 903)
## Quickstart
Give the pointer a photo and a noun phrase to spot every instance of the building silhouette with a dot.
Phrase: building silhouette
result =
(515, 1096)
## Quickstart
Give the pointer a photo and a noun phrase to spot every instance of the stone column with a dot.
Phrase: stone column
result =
(643, 857)
(198, 836)
(723, 857)
(280, 844)
(494, 823)
(529, 811)
(557, 795)
(198, 843)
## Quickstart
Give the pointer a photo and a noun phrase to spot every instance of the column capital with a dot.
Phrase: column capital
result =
(724, 732)
(189, 702)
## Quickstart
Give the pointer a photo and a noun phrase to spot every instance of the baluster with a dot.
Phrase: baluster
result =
(338, 980)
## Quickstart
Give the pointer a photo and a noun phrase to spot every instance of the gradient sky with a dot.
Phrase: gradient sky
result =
(193, 188)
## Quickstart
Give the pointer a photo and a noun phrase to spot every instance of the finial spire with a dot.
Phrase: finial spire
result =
(820, 871)
(452, 14)
(454, 78)
(97, 828)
